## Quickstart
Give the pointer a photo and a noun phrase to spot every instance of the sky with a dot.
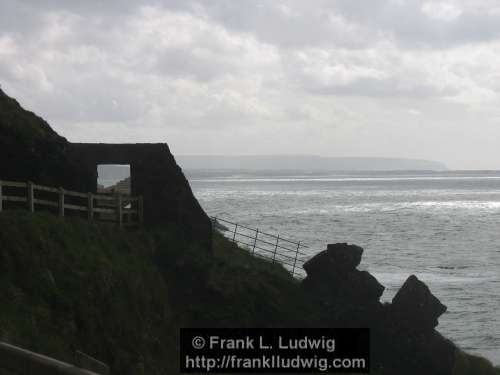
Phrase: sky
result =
(378, 78)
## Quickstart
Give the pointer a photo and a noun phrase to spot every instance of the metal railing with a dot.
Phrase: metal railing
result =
(265, 245)
(18, 361)
(122, 209)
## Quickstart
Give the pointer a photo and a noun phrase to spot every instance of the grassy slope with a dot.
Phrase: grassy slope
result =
(122, 296)
(68, 285)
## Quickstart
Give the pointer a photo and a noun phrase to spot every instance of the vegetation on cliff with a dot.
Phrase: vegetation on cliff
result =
(122, 296)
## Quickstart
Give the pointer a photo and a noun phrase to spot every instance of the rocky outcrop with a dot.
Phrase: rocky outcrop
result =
(338, 257)
(333, 280)
(415, 307)
(403, 332)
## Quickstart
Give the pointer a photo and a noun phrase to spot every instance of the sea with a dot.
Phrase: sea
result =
(443, 227)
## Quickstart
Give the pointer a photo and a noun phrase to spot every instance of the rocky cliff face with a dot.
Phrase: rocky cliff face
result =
(31, 151)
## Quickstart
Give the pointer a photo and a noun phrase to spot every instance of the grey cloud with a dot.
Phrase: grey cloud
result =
(352, 24)
(405, 22)
(289, 24)
(180, 62)
(98, 99)
(381, 88)
(17, 17)
(250, 70)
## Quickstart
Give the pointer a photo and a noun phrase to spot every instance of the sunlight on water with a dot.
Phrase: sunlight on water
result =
(444, 228)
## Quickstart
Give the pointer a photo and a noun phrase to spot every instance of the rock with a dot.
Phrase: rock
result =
(346, 256)
(351, 297)
(364, 286)
(339, 258)
(415, 307)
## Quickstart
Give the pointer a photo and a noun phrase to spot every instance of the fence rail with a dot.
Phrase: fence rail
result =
(18, 361)
(265, 245)
(124, 210)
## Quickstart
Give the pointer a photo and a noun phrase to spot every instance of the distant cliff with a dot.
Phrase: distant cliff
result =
(305, 162)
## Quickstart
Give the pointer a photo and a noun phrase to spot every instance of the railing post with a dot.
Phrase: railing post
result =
(119, 209)
(276, 247)
(235, 229)
(214, 224)
(61, 202)
(140, 203)
(90, 206)
(255, 240)
(31, 198)
(295, 260)
(1, 198)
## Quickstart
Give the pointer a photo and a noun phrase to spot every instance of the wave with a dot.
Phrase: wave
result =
(393, 279)
(345, 179)
(386, 207)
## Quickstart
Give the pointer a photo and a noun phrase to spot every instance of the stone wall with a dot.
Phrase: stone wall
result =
(156, 176)
(31, 151)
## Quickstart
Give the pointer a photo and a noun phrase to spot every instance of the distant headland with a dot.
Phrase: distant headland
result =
(306, 162)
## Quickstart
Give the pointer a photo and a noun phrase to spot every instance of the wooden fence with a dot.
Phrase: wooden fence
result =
(269, 246)
(121, 209)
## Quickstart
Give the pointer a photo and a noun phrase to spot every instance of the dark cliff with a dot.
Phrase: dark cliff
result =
(31, 151)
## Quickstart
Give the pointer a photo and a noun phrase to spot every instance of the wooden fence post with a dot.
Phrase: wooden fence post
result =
(295, 260)
(31, 198)
(119, 209)
(276, 248)
(90, 206)
(140, 203)
(1, 199)
(61, 202)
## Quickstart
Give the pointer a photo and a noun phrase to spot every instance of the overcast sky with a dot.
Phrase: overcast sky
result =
(390, 78)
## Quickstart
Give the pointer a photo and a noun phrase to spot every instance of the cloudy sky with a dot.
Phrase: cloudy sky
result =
(390, 78)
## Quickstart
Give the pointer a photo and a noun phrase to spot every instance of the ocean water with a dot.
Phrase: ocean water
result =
(442, 227)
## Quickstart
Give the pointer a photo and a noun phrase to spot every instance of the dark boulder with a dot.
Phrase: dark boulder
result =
(351, 297)
(332, 273)
(338, 258)
(414, 307)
